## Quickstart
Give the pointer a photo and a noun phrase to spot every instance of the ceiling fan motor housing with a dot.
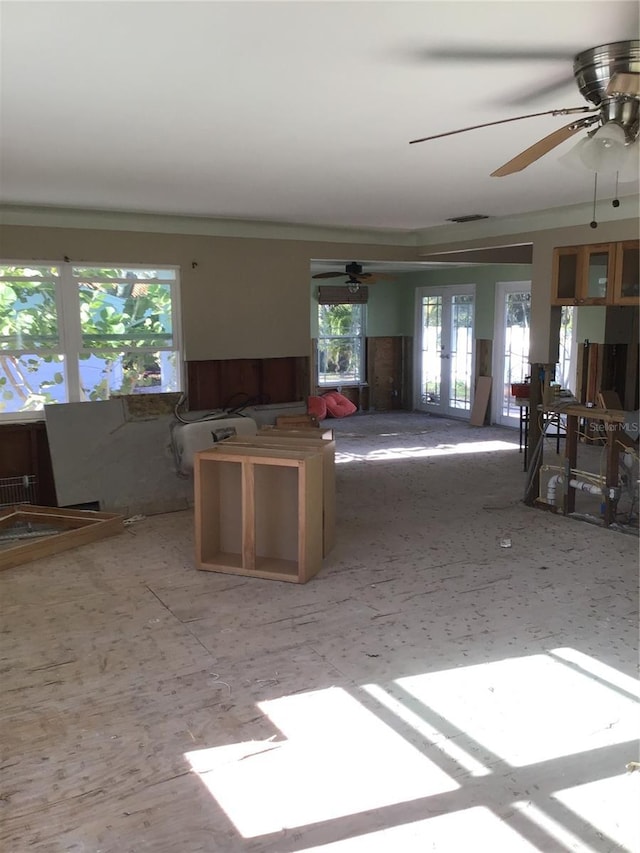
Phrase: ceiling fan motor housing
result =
(353, 269)
(594, 68)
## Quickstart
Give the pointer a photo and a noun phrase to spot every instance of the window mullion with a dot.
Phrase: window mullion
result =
(71, 331)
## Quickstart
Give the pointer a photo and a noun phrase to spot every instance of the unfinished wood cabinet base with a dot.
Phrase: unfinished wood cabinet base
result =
(327, 448)
(258, 511)
(29, 532)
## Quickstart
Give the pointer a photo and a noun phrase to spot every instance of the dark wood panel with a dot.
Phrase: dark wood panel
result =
(631, 396)
(407, 373)
(24, 450)
(240, 382)
(222, 383)
(385, 357)
(46, 483)
(620, 373)
(285, 380)
(203, 384)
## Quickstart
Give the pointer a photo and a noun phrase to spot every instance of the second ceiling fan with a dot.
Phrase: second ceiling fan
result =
(354, 274)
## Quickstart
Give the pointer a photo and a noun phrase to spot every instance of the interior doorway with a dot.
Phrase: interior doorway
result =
(445, 349)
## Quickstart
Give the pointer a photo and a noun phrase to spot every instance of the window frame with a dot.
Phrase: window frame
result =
(361, 349)
(69, 323)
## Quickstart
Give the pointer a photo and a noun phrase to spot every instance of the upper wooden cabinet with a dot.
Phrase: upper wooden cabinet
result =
(601, 274)
(626, 281)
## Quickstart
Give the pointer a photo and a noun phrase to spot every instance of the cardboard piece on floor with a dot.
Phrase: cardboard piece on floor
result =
(480, 401)
(28, 532)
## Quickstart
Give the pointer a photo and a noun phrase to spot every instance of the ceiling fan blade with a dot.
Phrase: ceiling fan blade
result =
(564, 112)
(472, 53)
(542, 147)
(380, 276)
(624, 83)
(537, 93)
(327, 275)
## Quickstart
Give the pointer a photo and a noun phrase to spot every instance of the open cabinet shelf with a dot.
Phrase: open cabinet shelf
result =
(258, 511)
(325, 446)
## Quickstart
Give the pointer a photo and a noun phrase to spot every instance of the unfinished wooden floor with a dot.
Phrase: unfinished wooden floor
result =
(428, 690)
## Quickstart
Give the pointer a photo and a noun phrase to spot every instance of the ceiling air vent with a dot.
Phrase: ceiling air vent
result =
(472, 217)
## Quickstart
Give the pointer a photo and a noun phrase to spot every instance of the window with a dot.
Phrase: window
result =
(567, 355)
(341, 342)
(70, 333)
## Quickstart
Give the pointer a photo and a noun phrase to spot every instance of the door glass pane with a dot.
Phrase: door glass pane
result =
(597, 275)
(516, 351)
(461, 352)
(431, 349)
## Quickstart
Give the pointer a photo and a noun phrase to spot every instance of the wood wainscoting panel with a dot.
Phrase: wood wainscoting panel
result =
(216, 384)
(385, 360)
(24, 451)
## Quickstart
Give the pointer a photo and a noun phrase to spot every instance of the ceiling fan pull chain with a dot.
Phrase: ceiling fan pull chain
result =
(593, 222)
(616, 200)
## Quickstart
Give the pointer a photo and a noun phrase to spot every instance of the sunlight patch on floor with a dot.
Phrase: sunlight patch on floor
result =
(600, 670)
(610, 805)
(563, 838)
(428, 731)
(338, 759)
(332, 759)
(528, 709)
(398, 453)
(467, 830)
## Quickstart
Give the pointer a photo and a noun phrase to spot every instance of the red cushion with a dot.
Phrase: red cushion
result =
(317, 406)
(338, 406)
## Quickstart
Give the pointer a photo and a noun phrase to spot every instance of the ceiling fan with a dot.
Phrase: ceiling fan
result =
(608, 76)
(354, 274)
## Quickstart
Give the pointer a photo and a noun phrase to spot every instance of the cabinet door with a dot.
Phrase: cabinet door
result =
(597, 280)
(626, 288)
(567, 267)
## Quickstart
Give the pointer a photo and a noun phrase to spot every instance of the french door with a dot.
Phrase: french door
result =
(444, 340)
(511, 347)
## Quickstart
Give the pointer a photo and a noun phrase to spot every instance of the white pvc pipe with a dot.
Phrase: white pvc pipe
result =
(553, 483)
(586, 487)
(580, 485)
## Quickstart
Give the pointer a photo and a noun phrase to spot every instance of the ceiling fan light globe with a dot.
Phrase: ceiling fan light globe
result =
(606, 151)
(630, 169)
(573, 158)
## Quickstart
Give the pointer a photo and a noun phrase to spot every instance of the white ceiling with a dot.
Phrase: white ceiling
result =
(296, 112)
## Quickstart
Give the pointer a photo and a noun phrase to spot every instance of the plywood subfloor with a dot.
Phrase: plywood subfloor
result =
(428, 690)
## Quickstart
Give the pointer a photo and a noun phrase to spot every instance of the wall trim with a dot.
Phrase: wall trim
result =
(526, 223)
(114, 220)
(421, 239)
